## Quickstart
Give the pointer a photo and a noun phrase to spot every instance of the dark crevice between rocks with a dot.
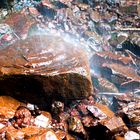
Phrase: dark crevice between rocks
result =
(99, 133)
(127, 45)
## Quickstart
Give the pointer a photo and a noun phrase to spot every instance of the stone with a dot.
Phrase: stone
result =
(108, 119)
(76, 126)
(42, 66)
(42, 121)
(124, 76)
(35, 133)
(128, 106)
(14, 134)
(23, 117)
(95, 16)
(131, 135)
(20, 23)
(8, 106)
(103, 84)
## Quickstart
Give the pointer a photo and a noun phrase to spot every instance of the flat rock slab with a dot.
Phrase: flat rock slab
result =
(44, 66)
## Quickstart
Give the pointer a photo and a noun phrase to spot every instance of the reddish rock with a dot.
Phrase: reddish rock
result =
(8, 106)
(57, 107)
(61, 134)
(64, 135)
(103, 85)
(95, 16)
(41, 67)
(82, 108)
(47, 115)
(128, 107)
(23, 117)
(34, 133)
(88, 121)
(13, 134)
(109, 57)
(115, 125)
(83, 6)
(69, 137)
(119, 138)
(20, 22)
(108, 119)
(76, 126)
(125, 77)
(125, 71)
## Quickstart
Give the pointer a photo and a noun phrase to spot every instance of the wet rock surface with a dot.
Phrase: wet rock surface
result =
(48, 69)
(49, 77)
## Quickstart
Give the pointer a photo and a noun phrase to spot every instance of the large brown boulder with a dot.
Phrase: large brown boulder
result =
(44, 66)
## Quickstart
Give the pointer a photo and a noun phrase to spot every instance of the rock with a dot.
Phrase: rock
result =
(96, 112)
(8, 106)
(20, 23)
(135, 39)
(34, 109)
(102, 98)
(119, 39)
(13, 134)
(103, 85)
(130, 135)
(127, 107)
(95, 16)
(88, 121)
(76, 126)
(94, 41)
(115, 125)
(42, 121)
(119, 138)
(23, 117)
(138, 9)
(108, 119)
(7, 36)
(34, 133)
(124, 76)
(109, 57)
(57, 107)
(3, 13)
(123, 100)
(69, 137)
(47, 115)
(29, 133)
(104, 29)
(61, 134)
(64, 135)
(129, 9)
(47, 3)
(60, 125)
(41, 67)
(83, 6)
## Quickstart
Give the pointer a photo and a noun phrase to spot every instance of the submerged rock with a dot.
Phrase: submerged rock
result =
(41, 67)
(20, 23)
(8, 106)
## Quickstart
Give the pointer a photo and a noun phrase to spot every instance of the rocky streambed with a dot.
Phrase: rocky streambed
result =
(69, 70)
